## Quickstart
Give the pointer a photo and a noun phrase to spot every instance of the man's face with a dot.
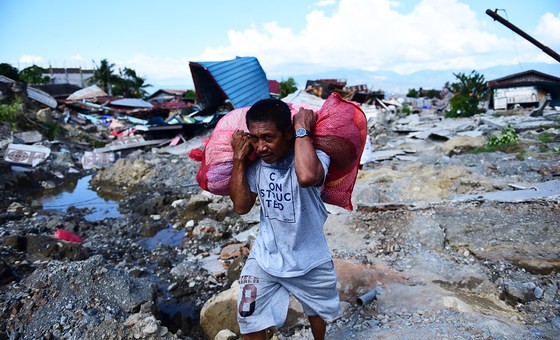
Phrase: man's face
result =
(270, 143)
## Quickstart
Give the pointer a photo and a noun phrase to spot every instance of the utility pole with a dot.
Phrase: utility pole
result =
(532, 40)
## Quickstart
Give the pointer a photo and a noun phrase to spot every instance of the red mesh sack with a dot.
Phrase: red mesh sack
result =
(215, 170)
(340, 132)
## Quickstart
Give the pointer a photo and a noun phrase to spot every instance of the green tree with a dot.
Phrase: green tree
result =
(287, 87)
(189, 94)
(103, 76)
(128, 84)
(468, 91)
(412, 93)
(34, 75)
(9, 71)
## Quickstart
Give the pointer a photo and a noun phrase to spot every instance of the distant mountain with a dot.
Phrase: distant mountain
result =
(395, 83)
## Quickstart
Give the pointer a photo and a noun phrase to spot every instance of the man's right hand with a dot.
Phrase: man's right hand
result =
(241, 145)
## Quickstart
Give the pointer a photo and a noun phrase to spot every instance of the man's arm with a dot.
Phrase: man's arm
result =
(240, 192)
(309, 169)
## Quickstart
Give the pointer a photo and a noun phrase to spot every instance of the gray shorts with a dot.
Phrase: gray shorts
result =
(263, 299)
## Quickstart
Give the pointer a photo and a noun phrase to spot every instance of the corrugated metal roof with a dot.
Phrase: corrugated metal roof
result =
(131, 102)
(242, 80)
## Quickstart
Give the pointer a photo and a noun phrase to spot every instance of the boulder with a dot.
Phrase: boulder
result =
(220, 312)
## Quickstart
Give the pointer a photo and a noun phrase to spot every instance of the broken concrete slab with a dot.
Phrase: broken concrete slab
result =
(92, 159)
(27, 155)
(377, 156)
(550, 189)
(131, 145)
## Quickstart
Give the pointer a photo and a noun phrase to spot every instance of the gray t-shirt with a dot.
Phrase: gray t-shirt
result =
(291, 240)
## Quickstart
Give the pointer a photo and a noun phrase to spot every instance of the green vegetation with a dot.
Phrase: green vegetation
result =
(287, 87)
(469, 90)
(34, 75)
(127, 83)
(9, 71)
(406, 110)
(506, 142)
(547, 137)
(103, 76)
(507, 137)
(9, 113)
(189, 94)
(433, 93)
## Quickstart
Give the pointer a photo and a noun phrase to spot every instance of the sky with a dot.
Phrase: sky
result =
(290, 38)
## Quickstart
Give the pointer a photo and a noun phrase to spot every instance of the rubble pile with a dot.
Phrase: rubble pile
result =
(458, 244)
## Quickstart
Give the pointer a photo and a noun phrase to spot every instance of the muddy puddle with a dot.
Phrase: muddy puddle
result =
(77, 193)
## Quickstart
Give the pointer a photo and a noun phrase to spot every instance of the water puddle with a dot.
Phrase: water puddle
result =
(78, 194)
(179, 315)
(167, 237)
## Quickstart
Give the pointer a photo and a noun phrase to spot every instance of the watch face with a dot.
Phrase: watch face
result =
(301, 132)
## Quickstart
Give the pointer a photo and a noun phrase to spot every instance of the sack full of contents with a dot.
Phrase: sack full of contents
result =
(340, 131)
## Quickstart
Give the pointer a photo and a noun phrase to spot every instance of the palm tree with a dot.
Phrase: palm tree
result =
(130, 85)
(103, 76)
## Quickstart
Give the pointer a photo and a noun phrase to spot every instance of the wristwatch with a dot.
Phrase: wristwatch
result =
(301, 132)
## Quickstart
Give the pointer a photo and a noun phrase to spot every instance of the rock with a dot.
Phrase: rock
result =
(183, 269)
(220, 312)
(226, 334)
(555, 322)
(146, 326)
(234, 250)
(17, 209)
(428, 232)
(197, 202)
(47, 246)
(28, 137)
(234, 270)
(248, 236)
(356, 279)
(6, 273)
(538, 292)
(520, 291)
(219, 210)
(515, 235)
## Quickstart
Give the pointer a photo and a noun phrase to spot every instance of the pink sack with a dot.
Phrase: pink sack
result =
(340, 132)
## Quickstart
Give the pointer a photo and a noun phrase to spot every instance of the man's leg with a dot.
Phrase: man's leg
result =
(318, 327)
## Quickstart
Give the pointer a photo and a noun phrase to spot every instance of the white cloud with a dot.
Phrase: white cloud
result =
(374, 35)
(77, 57)
(324, 3)
(160, 71)
(548, 29)
(31, 59)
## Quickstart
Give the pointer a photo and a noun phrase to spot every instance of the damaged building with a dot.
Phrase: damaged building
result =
(527, 89)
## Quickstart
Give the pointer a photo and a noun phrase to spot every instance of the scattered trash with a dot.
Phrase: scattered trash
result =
(65, 235)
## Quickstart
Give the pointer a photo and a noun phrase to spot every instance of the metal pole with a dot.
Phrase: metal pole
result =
(514, 28)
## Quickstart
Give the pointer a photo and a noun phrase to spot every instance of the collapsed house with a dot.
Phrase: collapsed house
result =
(527, 89)
(242, 81)
(323, 88)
